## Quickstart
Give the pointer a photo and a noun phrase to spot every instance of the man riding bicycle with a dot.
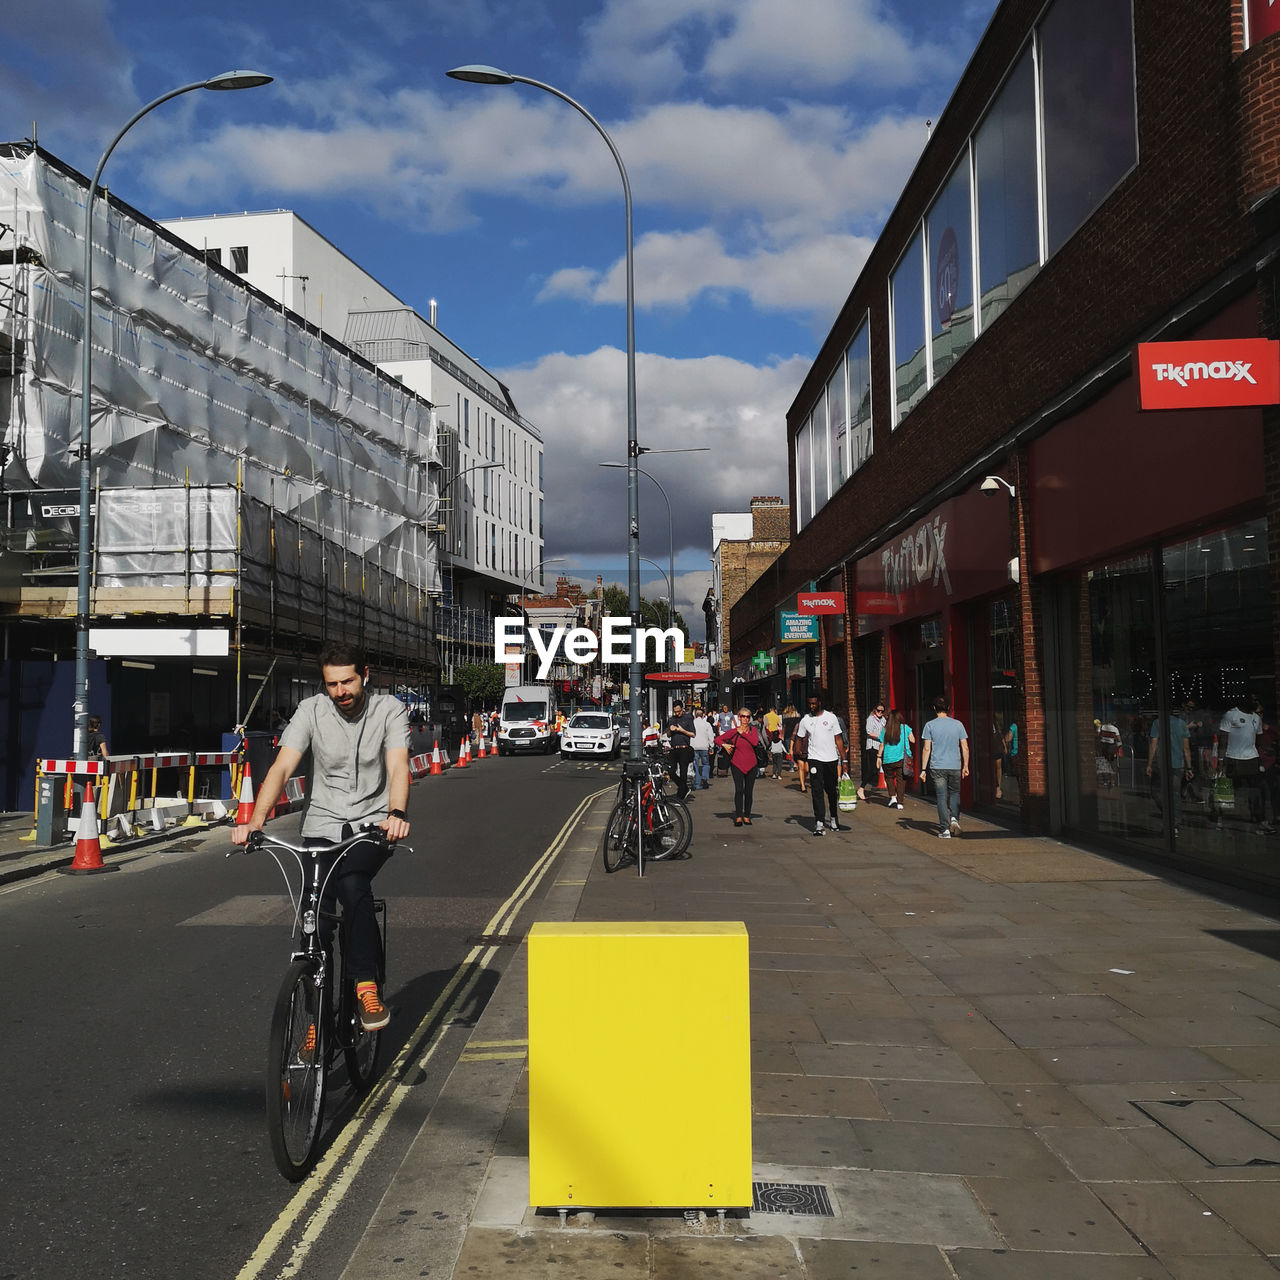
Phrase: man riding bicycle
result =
(359, 743)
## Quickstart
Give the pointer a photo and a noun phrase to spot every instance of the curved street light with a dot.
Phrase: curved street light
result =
(478, 74)
(528, 577)
(228, 80)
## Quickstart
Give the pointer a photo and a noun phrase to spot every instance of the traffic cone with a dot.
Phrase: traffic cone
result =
(483, 752)
(244, 811)
(882, 785)
(88, 857)
(435, 761)
(462, 754)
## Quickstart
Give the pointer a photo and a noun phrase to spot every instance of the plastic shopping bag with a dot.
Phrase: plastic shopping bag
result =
(847, 796)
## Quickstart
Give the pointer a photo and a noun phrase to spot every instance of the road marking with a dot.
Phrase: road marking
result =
(498, 1044)
(330, 1179)
(499, 1056)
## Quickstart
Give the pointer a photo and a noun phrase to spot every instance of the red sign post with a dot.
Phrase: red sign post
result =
(1210, 374)
(820, 602)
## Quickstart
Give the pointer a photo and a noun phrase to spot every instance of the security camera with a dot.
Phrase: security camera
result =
(996, 484)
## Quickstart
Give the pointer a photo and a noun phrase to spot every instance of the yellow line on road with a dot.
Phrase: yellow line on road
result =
(330, 1182)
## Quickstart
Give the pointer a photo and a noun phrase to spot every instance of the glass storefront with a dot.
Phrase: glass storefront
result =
(1168, 723)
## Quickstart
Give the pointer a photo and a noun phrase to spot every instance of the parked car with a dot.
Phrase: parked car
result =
(590, 733)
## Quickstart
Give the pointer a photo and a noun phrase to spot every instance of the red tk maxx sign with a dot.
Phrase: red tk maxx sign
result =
(1210, 374)
(820, 602)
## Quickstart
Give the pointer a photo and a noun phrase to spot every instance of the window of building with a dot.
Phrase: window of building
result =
(466, 421)
(1004, 151)
(485, 477)
(838, 427)
(949, 226)
(240, 259)
(213, 257)
(804, 476)
(1090, 120)
(910, 355)
(858, 365)
(542, 488)
(820, 445)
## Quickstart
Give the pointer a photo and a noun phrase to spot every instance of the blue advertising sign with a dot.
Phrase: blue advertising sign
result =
(799, 628)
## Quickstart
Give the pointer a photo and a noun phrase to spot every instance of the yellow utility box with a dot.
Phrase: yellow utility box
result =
(639, 1066)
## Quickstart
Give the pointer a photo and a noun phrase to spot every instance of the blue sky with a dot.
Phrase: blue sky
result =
(765, 141)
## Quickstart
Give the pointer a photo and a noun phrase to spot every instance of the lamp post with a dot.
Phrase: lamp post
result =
(491, 75)
(671, 553)
(228, 80)
(528, 577)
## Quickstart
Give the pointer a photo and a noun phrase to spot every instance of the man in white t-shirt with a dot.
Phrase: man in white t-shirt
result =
(824, 749)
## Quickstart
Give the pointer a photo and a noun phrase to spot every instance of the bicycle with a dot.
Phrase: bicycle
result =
(645, 822)
(316, 1018)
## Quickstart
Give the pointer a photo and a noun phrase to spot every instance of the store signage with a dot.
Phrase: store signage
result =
(799, 628)
(820, 602)
(1264, 19)
(1210, 374)
(920, 557)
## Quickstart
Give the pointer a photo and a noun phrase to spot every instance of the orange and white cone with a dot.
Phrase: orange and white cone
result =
(88, 857)
(244, 810)
(435, 761)
(462, 754)
(483, 752)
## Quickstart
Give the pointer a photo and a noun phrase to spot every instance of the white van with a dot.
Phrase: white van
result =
(527, 721)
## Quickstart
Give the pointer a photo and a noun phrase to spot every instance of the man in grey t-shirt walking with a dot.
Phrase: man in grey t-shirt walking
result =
(946, 759)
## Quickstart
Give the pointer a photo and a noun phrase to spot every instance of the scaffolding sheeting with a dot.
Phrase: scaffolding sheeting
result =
(196, 377)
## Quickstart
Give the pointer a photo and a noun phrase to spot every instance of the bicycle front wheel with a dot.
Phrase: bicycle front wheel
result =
(672, 829)
(619, 847)
(296, 1055)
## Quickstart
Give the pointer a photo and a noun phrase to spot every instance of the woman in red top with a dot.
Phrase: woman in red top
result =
(741, 742)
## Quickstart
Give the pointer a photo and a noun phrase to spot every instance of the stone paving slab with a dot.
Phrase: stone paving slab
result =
(1052, 1216)
(1168, 1219)
(841, 1259)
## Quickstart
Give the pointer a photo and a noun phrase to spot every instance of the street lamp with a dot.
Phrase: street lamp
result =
(528, 577)
(491, 75)
(671, 553)
(228, 80)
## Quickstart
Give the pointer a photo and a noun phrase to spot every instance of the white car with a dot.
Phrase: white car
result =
(590, 733)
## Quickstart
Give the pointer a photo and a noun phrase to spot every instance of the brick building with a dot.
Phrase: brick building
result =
(747, 545)
(1093, 585)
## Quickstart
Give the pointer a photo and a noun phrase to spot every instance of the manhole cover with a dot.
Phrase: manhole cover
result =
(808, 1198)
(494, 940)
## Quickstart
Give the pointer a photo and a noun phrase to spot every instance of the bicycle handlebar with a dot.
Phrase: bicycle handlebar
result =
(261, 840)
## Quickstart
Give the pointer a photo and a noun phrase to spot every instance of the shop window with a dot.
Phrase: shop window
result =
(1090, 113)
(1113, 619)
(819, 442)
(804, 493)
(858, 364)
(1004, 150)
(910, 355)
(838, 428)
(949, 225)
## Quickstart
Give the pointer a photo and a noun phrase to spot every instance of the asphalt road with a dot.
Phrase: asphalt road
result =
(137, 1006)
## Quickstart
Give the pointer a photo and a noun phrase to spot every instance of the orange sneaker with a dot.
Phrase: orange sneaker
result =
(374, 1015)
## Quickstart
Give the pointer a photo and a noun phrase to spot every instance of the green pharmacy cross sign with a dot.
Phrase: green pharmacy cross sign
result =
(762, 662)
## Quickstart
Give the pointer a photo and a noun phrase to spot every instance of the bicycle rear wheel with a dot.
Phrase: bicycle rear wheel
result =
(296, 1058)
(672, 829)
(619, 847)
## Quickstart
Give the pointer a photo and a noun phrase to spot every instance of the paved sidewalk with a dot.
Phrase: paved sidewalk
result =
(1003, 1058)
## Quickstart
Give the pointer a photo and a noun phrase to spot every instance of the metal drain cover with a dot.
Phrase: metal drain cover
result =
(807, 1198)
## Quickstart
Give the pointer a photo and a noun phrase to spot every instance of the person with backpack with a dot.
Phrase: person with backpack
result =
(742, 743)
(824, 749)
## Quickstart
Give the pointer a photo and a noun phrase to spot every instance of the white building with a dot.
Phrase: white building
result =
(491, 487)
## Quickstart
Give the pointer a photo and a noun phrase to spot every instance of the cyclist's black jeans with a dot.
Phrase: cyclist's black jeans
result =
(352, 885)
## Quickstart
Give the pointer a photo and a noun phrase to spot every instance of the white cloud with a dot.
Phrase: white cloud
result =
(735, 409)
(676, 269)
(659, 46)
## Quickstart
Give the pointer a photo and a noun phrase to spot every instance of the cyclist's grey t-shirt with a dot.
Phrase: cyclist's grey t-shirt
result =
(946, 733)
(348, 780)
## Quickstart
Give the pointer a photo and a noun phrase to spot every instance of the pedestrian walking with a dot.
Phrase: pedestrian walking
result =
(945, 757)
(704, 743)
(680, 731)
(870, 749)
(741, 742)
(790, 718)
(894, 755)
(824, 749)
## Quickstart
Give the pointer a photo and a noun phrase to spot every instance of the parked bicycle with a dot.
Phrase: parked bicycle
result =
(316, 1020)
(645, 822)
